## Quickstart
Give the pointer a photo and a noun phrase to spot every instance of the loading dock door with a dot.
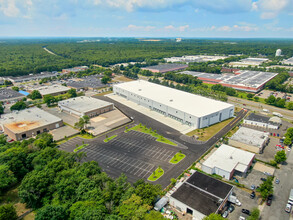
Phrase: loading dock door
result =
(189, 211)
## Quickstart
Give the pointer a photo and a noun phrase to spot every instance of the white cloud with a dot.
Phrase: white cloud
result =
(270, 9)
(8, 8)
(180, 28)
(242, 27)
(133, 27)
(218, 6)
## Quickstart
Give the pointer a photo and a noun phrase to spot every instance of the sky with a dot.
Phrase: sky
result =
(147, 18)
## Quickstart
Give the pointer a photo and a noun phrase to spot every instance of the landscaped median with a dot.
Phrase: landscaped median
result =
(177, 158)
(80, 147)
(109, 138)
(150, 131)
(156, 174)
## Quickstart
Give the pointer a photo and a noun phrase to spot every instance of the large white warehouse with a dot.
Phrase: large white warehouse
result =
(190, 109)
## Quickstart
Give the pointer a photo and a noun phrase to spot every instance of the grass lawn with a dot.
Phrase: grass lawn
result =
(144, 129)
(110, 138)
(206, 133)
(177, 158)
(85, 136)
(80, 147)
(156, 174)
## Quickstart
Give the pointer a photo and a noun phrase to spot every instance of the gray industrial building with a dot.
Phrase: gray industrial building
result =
(30, 77)
(193, 110)
(90, 82)
(9, 95)
(84, 105)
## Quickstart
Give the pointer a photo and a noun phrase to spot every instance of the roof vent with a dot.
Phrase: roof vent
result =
(139, 89)
(231, 157)
(171, 100)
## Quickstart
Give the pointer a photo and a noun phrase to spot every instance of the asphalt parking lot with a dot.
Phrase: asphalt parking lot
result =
(246, 203)
(134, 153)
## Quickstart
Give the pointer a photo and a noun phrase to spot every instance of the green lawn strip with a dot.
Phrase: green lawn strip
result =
(177, 158)
(80, 147)
(110, 138)
(145, 130)
(156, 175)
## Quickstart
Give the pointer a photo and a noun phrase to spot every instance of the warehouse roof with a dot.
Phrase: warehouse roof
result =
(27, 119)
(9, 94)
(166, 67)
(84, 104)
(202, 193)
(47, 90)
(190, 103)
(250, 136)
(264, 119)
(229, 158)
(88, 82)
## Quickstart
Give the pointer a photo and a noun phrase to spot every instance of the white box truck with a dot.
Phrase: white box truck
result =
(290, 200)
(277, 114)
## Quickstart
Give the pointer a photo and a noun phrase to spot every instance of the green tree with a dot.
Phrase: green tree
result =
(15, 88)
(266, 188)
(287, 141)
(280, 156)
(49, 100)
(8, 83)
(146, 191)
(133, 208)
(105, 79)
(271, 100)
(56, 212)
(256, 98)
(35, 95)
(72, 93)
(90, 210)
(82, 123)
(153, 215)
(20, 105)
(213, 216)
(249, 96)
(7, 211)
(6, 177)
(254, 215)
(281, 103)
(44, 140)
(1, 109)
(290, 106)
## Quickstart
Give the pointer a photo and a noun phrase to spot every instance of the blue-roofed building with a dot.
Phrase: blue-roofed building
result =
(23, 92)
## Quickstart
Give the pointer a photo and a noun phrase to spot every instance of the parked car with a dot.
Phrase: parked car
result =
(288, 208)
(277, 181)
(245, 211)
(252, 187)
(225, 214)
(238, 203)
(269, 200)
(252, 195)
(263, 179)
(241, 218)
(231, 208)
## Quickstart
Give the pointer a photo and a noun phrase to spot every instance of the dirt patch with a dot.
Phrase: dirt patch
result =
(264, 168)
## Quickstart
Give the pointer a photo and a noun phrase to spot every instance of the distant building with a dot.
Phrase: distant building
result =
(9, 95)
(194, 110)
(200, 195)
(31, 77)
(194, 58)
(229, 70)
(75, 69)
(278, 52)
(263, 121)
(84, 105)
(53, 90)
(244, 80)
(178, 39)
(249, 139)
(288, 61)
(163, 68)
(27, 123)
(249, 62)
(90, 82)
(227, 161)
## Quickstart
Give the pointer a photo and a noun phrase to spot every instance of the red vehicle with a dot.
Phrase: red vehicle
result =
(11, 140)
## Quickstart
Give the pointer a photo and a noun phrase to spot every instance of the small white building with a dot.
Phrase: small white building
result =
(263, 121)
(201, 195)
(227, 161)
(194, 110)
(84, 105)
(249, 139)
(53, 90)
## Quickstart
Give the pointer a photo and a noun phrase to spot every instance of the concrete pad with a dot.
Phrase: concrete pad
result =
(97, 119)
(182, 128)
(264, 168)
(60, 133)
